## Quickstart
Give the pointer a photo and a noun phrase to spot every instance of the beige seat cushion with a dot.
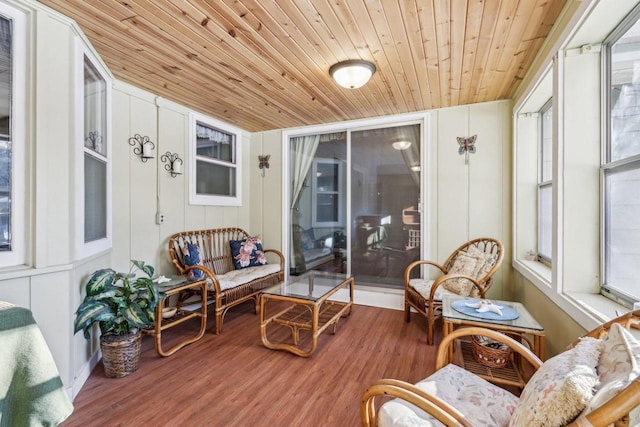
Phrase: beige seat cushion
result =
(234, 278)
(423, 287)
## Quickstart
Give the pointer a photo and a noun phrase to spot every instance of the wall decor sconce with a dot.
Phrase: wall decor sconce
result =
(142, 146)
(264, 162)
(94, 141)
(173, 163)
(466, 146)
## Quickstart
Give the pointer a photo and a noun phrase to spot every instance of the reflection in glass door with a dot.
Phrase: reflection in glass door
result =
(385, 203)
(361, 217)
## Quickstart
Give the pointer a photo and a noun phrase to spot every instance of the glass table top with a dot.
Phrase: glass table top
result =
(312, 285)
(524, 321)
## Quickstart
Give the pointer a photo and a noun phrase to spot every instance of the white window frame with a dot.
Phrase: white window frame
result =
(339, 193)
(610, 166)
(542, 183)
(85, 249)
(17, 255)
(196, 198)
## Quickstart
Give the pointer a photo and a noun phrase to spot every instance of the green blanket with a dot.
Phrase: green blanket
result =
(31, 392)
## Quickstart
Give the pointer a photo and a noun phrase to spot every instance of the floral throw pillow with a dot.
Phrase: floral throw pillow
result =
(192, 257)
(471, 262)
(247, 252)
(561, 388)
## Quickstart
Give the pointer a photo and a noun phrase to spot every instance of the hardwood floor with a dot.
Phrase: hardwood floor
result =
(233, 380)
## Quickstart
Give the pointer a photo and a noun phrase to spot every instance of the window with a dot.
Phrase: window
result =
(328, 193)
(621, 168)
(12, 136)
(215, 177)
(94, 207)
(545, 184)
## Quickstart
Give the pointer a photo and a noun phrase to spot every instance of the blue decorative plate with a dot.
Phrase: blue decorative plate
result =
(508, 313)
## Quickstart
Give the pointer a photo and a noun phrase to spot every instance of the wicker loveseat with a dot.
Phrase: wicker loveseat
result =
(227, 287)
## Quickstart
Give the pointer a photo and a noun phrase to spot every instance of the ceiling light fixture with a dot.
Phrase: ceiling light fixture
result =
(402, 144)
(353, 73)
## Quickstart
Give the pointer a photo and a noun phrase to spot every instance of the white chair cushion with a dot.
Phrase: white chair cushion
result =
(561, 388)
(482, 403)
(234, 278)
(423, 287)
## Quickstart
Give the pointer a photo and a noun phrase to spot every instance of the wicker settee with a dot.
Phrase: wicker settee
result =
(227, 286)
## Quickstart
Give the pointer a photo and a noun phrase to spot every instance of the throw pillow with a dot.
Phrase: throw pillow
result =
(247, 252)
(619, 365)
(620, 355)
(192, 257)
(561, 388)
(308, 239)
(465, 264)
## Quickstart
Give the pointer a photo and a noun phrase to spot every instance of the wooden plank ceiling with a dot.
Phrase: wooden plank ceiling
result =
(264, 65)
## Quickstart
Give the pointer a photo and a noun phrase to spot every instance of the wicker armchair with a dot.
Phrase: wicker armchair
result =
(468, 271)
(560, 390)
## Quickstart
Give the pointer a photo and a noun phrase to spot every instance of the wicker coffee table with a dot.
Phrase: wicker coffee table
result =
(308, 307)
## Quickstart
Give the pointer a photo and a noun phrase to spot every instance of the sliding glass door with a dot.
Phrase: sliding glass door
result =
(354, 204)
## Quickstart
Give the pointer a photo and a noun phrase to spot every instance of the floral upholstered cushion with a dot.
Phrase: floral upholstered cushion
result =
(561, 388)
(471, 262)
(482, 403)
(619, 365)
(620, 355)
(247, 252)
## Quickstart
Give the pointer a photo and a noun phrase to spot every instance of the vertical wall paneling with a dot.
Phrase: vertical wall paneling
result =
(53, 144)
(16, 291)
(256, 193)
(172, 134)
(53, 312)
(122, 158)
(486, 172)
(144, 185)
(453, 180)
(272, 185)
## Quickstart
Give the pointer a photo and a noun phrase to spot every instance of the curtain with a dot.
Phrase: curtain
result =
(303, 149)
(411, 155)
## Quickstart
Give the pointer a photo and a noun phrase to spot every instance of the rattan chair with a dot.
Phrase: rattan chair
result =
(425, 296)
(614, 404)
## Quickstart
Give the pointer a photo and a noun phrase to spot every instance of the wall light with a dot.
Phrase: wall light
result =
(403, 144)
(353, 73)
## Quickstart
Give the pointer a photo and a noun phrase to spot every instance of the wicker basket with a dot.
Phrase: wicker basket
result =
(490, 353)
(120, 354)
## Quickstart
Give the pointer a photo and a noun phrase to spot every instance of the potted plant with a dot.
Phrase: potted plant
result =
(121, 304)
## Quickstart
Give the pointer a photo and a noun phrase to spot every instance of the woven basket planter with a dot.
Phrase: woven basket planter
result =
(120, 354)
(490, 353)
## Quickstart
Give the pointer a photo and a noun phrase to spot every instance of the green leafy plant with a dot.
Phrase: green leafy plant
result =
(120, 303)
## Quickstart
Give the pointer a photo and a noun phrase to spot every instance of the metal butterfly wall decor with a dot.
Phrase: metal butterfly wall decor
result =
(466, 146)
(264, 162)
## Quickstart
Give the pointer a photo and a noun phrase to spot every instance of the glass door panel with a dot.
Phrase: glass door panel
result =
(385, 203)
(370, 227)
(318, 203)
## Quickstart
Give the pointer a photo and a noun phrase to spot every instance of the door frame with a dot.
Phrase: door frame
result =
(422, 118)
